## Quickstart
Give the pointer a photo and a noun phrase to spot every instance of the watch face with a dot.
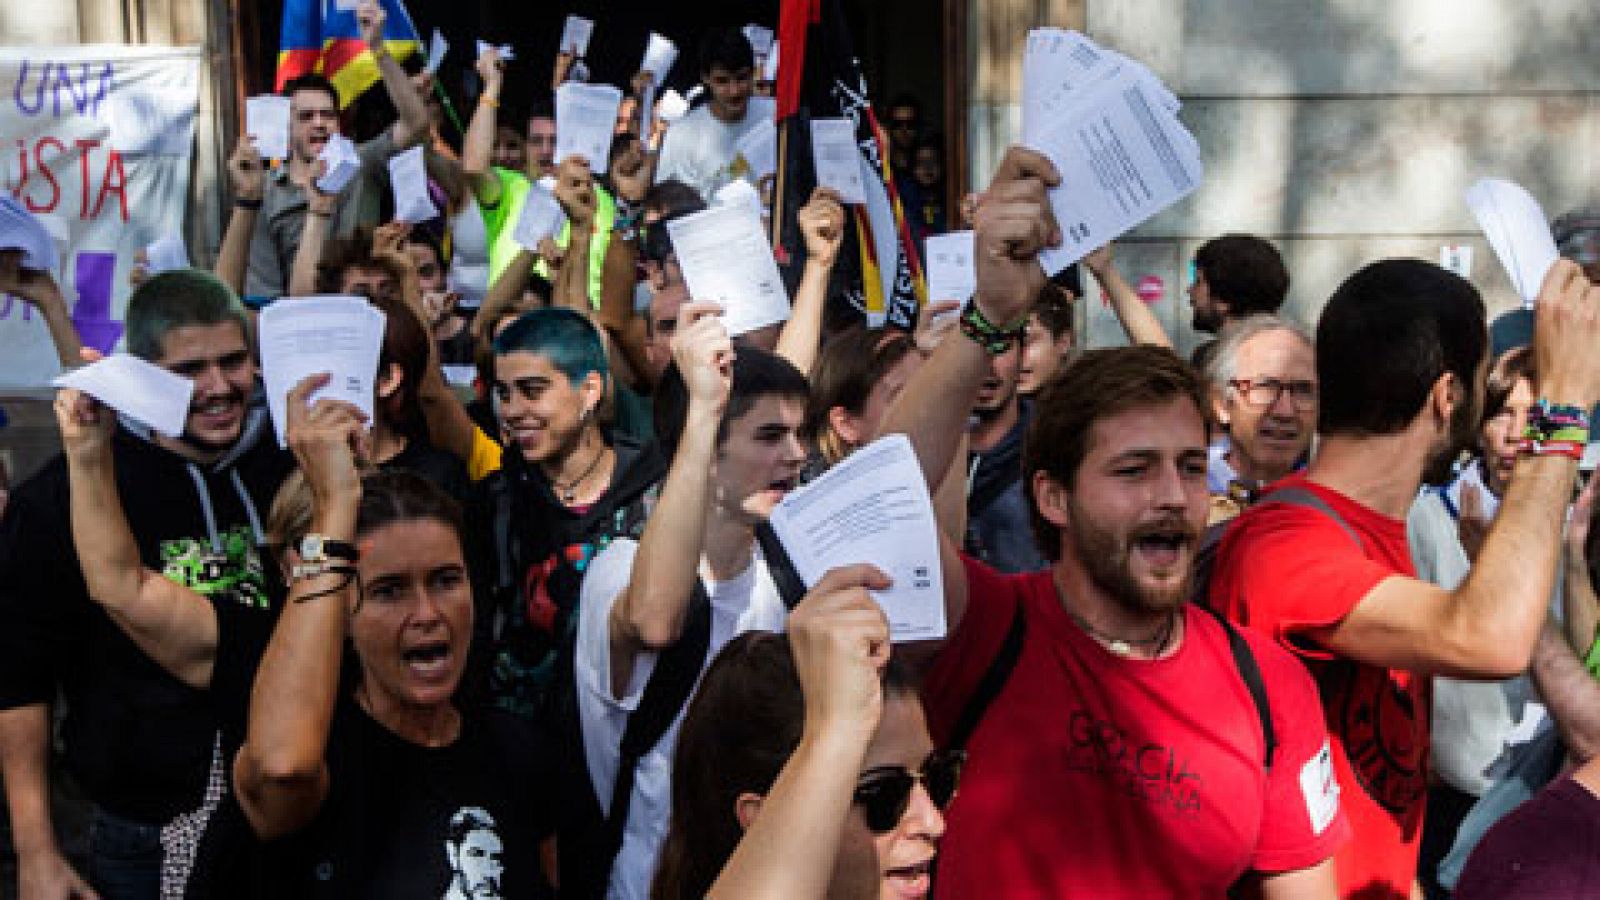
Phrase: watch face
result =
(311, 548)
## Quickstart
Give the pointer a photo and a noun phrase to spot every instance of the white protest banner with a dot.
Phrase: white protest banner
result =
(99, 144)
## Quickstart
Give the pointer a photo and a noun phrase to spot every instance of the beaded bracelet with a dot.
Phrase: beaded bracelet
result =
(994, 339)
(1555, 429)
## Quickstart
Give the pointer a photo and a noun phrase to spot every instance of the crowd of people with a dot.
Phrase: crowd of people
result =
(1310, 614)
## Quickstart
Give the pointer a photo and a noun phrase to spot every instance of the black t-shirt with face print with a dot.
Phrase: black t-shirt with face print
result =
(400, 821)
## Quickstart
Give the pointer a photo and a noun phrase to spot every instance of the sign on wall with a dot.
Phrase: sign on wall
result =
(96, 141)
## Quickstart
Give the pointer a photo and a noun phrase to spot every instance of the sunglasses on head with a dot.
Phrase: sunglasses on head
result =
(884, 793)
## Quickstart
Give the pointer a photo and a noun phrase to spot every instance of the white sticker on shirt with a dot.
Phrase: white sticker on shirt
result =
(1321, 789)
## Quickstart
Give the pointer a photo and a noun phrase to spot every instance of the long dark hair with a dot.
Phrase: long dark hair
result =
(743, 724)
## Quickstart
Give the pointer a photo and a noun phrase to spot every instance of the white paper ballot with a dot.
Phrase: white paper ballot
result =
(659, 55)
(769, 64)
(22, 230)
(408, 177)
(542, 217)
(951, 273)
(140, 390)
(343, 164)
(1456, 258)
(838, 159)
(586, 119)
(267, 120)
(873, 507)
(166, 254)
(506, 55)
(760, 38)
(303, 336)
(671, 107)
(1516, 227)
(437, 48)
(726, 259)
(575, 35)
(739, 193)
(759, 148)
(1121, 160)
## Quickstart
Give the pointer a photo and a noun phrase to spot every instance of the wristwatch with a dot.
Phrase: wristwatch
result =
(320, 553)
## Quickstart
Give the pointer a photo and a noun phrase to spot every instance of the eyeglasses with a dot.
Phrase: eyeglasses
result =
(885, 792)
(1266, 391)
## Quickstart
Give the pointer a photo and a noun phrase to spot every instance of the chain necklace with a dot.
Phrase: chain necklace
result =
(569, 491)
(1122, 647)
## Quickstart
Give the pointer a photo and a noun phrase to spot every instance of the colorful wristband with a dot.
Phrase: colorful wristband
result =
(994, 339)
(1572, 449)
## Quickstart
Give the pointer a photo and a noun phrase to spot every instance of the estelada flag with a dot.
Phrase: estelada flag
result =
(319, 36)
(819, 77)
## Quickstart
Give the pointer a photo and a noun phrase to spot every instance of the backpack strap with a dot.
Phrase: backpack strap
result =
(665, 694)
(1299, 496)
(785, 577)
(993, 681)
(1244, 659)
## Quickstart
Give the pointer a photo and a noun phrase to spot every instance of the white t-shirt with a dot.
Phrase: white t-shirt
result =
(698, 148)
(748, 602)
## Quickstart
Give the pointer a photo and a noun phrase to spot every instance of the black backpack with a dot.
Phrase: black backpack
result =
(591, 835)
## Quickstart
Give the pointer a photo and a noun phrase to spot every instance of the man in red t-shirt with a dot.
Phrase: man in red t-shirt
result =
(1124, 755)
(1401, 356)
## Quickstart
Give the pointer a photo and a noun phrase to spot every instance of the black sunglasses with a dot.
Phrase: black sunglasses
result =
(884, 793)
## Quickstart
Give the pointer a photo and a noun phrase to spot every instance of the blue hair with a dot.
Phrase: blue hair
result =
(562, 336)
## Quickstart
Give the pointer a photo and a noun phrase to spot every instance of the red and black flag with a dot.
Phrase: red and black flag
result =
(819, 77)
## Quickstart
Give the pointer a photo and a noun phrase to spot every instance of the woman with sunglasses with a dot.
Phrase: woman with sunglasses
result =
(804, 768)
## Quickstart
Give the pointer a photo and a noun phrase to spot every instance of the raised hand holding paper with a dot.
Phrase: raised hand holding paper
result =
(838, 159)
(267, 120)
(140, 390)
(343, 164)
(504, 49)
(872, 507)
(1516, 227)
(303, 336)
(22, 230)
(725, 258)
(586, 119)
(408, 177)
(166, 254)
(575, 35)
(541, 218)
(951, 273)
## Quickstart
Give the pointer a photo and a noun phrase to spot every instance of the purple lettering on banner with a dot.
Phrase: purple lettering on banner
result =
(93, 274)
(38, 94)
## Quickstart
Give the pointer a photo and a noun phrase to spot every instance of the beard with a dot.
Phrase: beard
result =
(1107, 557)
(1208, 321)
(1440, 468)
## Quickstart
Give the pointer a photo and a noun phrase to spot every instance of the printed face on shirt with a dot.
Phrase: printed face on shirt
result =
(1137, 505)
(218, 361)
(414, 622)
(729, 92)
(476, 858)
(542, 146)
(1499, 439)
(759, 462)
(1270, 409)
(541, 411)
(898, 863)
(313, 119)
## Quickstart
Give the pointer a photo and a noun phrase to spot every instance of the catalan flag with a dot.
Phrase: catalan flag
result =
(321, 36)
(819, 76)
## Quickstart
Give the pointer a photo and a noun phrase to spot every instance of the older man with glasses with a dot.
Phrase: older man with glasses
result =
(1264, 389)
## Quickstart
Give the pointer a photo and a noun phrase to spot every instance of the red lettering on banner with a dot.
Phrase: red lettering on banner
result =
(120, 185)
(84, 146)
(55, 186)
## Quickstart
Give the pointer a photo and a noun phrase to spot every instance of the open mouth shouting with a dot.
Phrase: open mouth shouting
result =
(910, 881)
